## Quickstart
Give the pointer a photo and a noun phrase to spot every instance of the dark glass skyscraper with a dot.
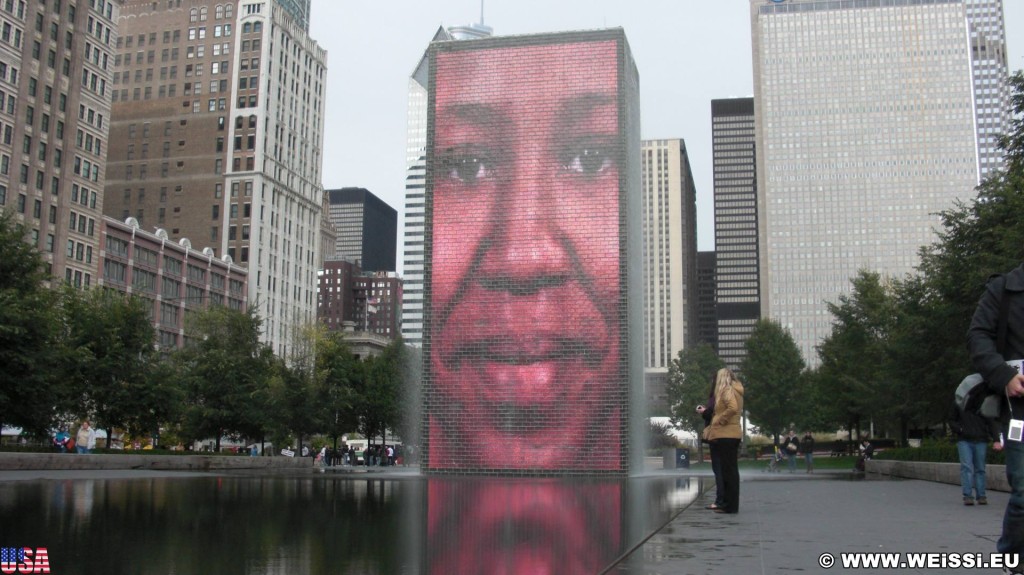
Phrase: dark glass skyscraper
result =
(737, 274)
(367, 228)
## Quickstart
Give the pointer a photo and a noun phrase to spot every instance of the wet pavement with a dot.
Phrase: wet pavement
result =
(786, 522)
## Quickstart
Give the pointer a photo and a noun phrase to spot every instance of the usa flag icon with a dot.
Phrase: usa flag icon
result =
(11, 556)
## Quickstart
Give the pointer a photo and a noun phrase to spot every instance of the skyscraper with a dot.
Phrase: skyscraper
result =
(670, 254)
(989, 62)
(415, 161)
(298, 10)
(366, 228)
(707, 321)
(737, 276)
(865, 128)
(217, 136)
(55, 65)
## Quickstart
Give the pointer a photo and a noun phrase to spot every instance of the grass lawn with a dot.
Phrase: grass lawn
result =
(820, 463)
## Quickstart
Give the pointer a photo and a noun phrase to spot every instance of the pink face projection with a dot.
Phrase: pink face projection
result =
(525, 367)
(493, 528)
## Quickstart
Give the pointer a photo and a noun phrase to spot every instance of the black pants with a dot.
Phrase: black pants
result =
(716, 468)
(728, 455)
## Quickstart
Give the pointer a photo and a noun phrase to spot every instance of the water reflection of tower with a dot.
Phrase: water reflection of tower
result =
(523, 526)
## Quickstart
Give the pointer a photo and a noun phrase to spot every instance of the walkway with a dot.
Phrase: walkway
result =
(786, 522)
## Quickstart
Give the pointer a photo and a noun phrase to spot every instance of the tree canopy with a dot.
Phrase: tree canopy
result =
(771, 374)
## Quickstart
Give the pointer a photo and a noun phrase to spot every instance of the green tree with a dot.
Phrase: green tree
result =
(30, 389)
(110, 359)
(812, 409)
(340, 374)
(771, 372)
(933, 308)
(296, 388)
(380, 406)
(854, 356)
(976, 239)
(922, 373)
(225, 370)
(1012, 143)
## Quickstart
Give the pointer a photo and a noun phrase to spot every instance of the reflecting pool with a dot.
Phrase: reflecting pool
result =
(319, 523)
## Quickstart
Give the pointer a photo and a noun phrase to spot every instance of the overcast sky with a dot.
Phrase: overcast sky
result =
(687, 52)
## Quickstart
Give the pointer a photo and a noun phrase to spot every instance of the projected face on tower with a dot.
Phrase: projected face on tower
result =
(525, 367)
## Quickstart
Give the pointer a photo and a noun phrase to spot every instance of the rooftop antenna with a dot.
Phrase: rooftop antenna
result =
(481, 12)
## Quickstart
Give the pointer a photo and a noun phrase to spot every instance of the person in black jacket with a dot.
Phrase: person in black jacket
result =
(989, 358)
(706, 412)
(791, 445)
(973, 434)
(807, 448)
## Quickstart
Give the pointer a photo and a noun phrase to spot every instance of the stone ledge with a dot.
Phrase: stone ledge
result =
(995, 475)
(37, 461)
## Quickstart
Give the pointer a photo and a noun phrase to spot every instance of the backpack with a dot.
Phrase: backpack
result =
(974, 396)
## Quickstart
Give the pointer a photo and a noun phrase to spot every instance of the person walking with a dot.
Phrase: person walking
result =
(807, 448)
(995, 336)
(85, 441)
(973, 434)
(725, 434)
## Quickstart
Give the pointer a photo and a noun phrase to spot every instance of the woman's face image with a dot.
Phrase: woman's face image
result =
(525, 261)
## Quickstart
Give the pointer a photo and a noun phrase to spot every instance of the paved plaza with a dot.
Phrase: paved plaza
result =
(786, 522)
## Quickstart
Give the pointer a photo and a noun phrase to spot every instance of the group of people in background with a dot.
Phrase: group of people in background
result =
(793, 446)
(84, 441)
(373, 455)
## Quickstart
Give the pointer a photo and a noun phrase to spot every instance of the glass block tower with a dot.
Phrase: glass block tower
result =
(533, 281)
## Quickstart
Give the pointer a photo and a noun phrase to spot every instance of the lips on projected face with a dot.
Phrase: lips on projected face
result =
(517, 361)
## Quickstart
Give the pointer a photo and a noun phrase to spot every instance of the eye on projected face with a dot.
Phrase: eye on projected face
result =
(525, 278)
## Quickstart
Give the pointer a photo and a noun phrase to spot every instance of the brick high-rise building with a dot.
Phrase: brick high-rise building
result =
(56, 60)
(217, 131)
(350, 298)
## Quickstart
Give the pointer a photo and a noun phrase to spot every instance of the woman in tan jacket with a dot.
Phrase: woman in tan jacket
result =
(725, 433)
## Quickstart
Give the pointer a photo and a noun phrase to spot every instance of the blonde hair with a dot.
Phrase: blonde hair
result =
(723, 383)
